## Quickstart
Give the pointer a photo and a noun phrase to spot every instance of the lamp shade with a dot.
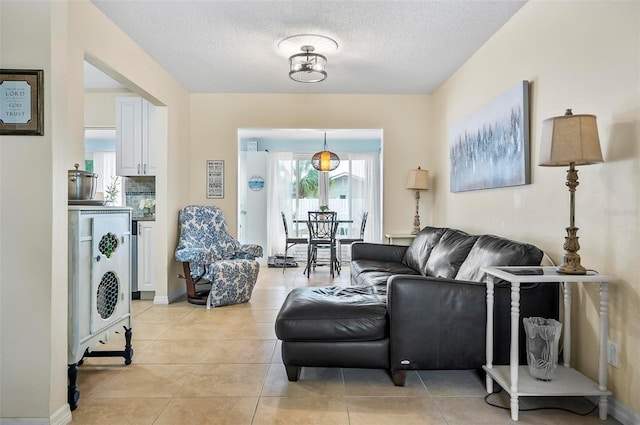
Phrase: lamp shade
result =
(308, 67)
(570, 139)
(418, 179)
(325, 160)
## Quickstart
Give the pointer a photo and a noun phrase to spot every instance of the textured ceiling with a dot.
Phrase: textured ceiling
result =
(383, 46)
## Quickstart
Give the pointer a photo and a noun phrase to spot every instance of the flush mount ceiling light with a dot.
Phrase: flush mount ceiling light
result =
(308, 66)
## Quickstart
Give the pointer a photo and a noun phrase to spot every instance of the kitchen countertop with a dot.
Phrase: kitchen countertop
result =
(148, 218)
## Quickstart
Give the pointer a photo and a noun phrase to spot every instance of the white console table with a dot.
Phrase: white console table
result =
(515, 379)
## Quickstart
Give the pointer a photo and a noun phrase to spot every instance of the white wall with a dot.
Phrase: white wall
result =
(256, 203)
(585, 56)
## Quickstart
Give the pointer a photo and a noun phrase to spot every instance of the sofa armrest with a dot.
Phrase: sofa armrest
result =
(436, 323)
(377, 252)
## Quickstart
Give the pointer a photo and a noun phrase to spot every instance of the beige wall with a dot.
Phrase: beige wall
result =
(576, 54)
(33, 222)
(585, 56)
(100, 107)
(404, 119)
(33, 242)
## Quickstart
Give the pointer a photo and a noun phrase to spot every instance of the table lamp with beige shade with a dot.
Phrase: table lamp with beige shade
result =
(570, 140)
(418, 180)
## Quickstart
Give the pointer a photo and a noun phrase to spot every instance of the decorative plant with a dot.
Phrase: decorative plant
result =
(324, 208)
(148, 206)
(112, 191)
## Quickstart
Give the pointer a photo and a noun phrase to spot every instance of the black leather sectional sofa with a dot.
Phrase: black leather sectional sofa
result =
(412, 308)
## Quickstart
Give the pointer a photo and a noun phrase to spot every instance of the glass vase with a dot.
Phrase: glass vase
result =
(543, 336)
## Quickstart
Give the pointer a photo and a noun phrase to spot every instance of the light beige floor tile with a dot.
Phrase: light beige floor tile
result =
(277, 353)
(301, 411)
(580, 411)
(276, 285)
(149, 330)
(261, 316)
(449, 383)
(209, 411)
(377, 382)
(471, 410)
(240, 351)
(219, 316)
(393, 411)
(268, 299)
(163, 314)
(100, 411)
(313, 382)
(223, 380)
(152, 381)
(170, 351)
(193, 331)
(140, 306)
(91, 376)
(248, 330)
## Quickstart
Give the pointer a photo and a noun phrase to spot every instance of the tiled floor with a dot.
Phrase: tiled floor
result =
(223, 366)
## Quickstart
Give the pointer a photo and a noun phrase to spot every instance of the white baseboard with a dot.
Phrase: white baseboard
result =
(163, 299)
(619, 411)
(61, 417)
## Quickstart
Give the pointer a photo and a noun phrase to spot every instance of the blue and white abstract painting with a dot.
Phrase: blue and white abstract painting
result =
(490, 147)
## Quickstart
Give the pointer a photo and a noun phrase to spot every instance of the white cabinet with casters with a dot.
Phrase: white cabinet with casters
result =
(99, 285)
(146, 261)
(135, 137)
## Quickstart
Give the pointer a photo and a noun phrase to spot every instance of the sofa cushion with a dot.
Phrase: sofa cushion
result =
(490, 250)
(332, 313)
(420, 249)
(365, 266)
(449, 253)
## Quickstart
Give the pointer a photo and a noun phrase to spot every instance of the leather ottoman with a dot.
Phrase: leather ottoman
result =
(333, 327)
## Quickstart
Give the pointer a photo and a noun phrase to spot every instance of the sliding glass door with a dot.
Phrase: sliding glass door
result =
(351, 190)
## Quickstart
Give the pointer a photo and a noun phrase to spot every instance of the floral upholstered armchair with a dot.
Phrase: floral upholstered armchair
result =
(218, 269)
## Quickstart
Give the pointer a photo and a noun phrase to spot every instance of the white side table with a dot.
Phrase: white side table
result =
(394, 237)
(515, 379)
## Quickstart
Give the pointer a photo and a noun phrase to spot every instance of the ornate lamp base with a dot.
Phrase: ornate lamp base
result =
(571, 260)
(569, 265)
(416, 218)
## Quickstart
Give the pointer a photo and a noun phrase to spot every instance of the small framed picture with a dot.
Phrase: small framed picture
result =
(215, 179)
(22, 102)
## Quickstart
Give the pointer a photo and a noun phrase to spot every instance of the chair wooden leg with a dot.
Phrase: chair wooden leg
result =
(193, 296)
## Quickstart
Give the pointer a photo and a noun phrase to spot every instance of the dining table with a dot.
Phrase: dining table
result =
(333, 265)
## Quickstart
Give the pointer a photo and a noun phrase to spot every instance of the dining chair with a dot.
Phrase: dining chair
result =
(289, 241)
(323, 226)
(348, 240)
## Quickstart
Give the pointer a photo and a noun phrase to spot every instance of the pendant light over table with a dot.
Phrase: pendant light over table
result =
(325, 160)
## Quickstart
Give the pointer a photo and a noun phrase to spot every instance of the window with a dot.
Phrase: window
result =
(100, 158)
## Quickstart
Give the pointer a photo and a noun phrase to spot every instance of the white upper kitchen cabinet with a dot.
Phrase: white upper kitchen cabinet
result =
(135, 137)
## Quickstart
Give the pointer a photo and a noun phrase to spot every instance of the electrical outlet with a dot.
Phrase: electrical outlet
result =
(612, 353)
